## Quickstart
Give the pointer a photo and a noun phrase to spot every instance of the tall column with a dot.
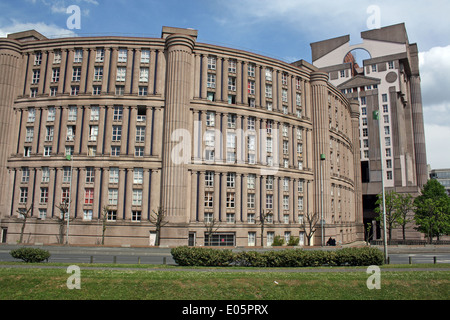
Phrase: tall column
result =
(321, 146)
(179, 46)
(10, 67)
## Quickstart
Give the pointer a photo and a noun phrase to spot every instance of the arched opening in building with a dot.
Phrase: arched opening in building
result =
(356, 58)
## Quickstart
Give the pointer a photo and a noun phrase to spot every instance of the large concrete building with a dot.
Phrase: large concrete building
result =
(387, 83)
(209, 134)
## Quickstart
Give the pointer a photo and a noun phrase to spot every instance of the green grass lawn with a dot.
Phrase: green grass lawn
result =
(241, 284)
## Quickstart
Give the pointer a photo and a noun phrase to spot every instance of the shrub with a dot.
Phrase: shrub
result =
(188, 256)
(277, 241)
(30, 255)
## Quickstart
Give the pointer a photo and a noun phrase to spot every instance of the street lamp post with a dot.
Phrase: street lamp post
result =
(376, 116)
(322, 159)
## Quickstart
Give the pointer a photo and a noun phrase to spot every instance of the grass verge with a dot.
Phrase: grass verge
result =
(50, 283)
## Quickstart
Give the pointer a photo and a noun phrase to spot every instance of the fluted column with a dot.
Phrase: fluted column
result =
(179, 46)
(321, 145)
(10, 59)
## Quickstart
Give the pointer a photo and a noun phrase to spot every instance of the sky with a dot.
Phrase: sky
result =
(281, 29)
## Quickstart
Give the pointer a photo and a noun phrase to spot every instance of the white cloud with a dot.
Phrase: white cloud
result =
(48, 30)
(438, 146)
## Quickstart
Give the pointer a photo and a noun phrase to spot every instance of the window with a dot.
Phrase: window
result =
(98, 73)
(285, 202)
(44, 195)
(231, 121)
(268, 91)
(47, 151)
(387, 141)
(251, 200)
(74, 90)
(386, 119)
(251, 123)
(100, 55)
(113, 175)
(112, 215)
(211, 82)
(251, 181)
(23, 195)
(116, 133)
(113, 195)
(25, 174)
(251, 143)
(269, 183)
(269, 144)
(210, 119)
(284, 94)
(42, 213)
(49, 130)
(231, 179)
(284, 79)
(231, 140)
(209, 179)
(388, 152)
(90, 175)
(251, 239)
(122, 55)
(209, 199)
(95, 113)
(92, 151)
(31, 115)
(65, 196)
(251, 70)
(268, 74)
(140, 134)
(391, 64)
(137, 197)
(143, 75)
(45, 175)
(72, 114)
(36, 76)
(121, 74)
(143, 91)
(389, 175)
(120, 90)
(30, 134)
(269, 201)
(138, 175)
(251, 87)
(145, 56)
(230, 200)
(78, 56)
(211, 63)
(232, 66)
(55, 74)
(387, 130)
(87, 214)
(115, 151)
(53, 91)
(232, 83)
(88, 196)
(70, 136)
(57, 57)
(76, 74)
(136, 215)
(208, 217)
(66, 174)
(118, 113)
(138, 151)
(384, 97)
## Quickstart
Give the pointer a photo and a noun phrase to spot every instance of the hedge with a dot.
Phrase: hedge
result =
(365, 256)
(30, 255)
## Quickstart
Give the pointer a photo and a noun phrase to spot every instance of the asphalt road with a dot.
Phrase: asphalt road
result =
(67, 254)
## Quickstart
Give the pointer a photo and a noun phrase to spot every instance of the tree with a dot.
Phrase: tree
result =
(158, 219)
(432, 210)
(211, 225)
(24, 214)
(391, 213)
(104, 218)
(403, 206)
(262, 221)
(64, 209)
(309, 225)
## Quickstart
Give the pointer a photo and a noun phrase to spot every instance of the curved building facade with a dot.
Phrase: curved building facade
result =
(216, 137)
